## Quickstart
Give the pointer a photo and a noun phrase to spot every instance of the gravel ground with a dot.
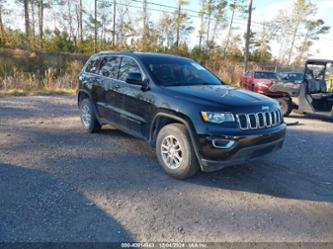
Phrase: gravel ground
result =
(59, 183)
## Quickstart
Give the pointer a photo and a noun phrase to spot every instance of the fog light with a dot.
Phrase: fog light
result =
(223, 143)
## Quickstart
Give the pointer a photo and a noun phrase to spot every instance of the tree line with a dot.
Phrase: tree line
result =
(130, 24)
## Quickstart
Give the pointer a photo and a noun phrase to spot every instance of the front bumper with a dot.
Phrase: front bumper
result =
(244, 149)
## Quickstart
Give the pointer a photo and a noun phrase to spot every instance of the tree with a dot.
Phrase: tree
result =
(33, 17)
(26, 18)
(3, 12)
(219, 18)
(122, 12)
(209, 11)
(95, 26)
(201, 30)
(234, 6)
(179, 20)
(259, 47)
(166, 30)
(105, 17)
(42, 5)
(314, 28)
(145, 26)
(80, 23)
(26, 12)
(61, 42)
(214, 12)
(301, 10)
(247, 38)
(114, 23)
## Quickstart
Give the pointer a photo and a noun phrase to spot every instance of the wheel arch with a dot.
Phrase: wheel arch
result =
(81, 94)
(163, 118)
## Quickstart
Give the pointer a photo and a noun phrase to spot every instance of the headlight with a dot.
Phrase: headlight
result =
(263, 84)
(217, 118)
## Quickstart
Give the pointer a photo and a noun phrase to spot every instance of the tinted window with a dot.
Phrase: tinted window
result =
(295, 76)
(93, 65)
(128, 65)
(265, 75)
(177, 71)
(110, 67)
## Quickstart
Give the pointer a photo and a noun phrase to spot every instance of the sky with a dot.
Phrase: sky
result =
(264, 10)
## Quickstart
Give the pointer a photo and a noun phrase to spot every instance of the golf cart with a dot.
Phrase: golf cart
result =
(313, 95)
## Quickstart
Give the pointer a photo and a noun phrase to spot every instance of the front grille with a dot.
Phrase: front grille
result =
(260, 120)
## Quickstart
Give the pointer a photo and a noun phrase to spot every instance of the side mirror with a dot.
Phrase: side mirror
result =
(134, 78)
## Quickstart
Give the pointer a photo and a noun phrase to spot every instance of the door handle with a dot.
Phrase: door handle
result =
(116, 86)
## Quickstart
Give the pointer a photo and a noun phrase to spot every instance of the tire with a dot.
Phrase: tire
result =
(177, 135)
(286, 106)
(88, 116)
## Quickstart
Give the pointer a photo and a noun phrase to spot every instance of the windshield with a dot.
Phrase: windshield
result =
(265, 75)
(295, 76)
(179, 72)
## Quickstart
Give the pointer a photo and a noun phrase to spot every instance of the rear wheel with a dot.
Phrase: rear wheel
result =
(88, 117)
(175, 152)
(285, 106)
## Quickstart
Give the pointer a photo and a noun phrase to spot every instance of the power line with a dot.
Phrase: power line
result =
(188, 10)
(254, 25)
(193, 16)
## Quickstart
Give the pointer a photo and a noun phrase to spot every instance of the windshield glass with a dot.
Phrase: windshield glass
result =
(265, 75)
(295, 77)
(170, 71)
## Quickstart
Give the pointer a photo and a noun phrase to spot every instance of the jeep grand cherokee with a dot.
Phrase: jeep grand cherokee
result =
(189, 115)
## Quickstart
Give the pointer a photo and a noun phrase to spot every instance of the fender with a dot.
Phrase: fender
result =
(82, 91)
(181, 120)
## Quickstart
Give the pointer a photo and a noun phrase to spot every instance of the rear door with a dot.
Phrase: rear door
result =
(90, 81)
(108, 102)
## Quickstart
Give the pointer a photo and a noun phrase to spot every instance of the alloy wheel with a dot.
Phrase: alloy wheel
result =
(171, 151)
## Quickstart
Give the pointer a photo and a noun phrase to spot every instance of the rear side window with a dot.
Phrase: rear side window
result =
(128, 65)
(110, 67)
(93, 65)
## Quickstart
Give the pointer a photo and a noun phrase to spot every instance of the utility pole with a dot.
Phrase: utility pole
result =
(114, 24)
(248, 34)
(95, 27)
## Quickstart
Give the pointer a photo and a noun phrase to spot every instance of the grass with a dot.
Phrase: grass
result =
(24, 73)
(43, 92)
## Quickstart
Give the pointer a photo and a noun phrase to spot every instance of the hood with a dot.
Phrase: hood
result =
(221, 95)
(264, 80)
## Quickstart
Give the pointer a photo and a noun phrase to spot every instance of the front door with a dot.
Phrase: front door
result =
(134, 103)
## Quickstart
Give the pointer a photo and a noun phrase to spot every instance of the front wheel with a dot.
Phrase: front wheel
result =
(175, 152)
(285, 106)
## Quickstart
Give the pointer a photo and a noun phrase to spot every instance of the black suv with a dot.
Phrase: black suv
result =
(193, 119)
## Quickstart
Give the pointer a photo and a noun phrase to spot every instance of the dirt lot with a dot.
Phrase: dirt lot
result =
(58, 183)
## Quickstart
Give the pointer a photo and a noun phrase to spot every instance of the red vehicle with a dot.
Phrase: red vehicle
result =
(260, 82)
